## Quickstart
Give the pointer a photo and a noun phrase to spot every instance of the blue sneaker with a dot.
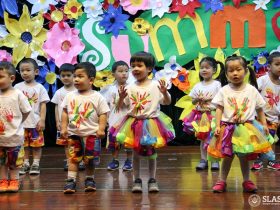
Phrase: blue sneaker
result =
(90, 185)
(127, 165)
(113, 165)
(70, 186)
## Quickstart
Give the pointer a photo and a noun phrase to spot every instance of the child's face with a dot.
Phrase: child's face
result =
(274, 67)
(66, 78)
(206, 70)
(28, 72)
(235, 72)
(121, 74)
(6, 80)
(140, 71)
(82, 81)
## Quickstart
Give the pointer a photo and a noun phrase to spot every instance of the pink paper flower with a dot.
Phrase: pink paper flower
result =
(5, 56)
(63, 44)
(132, 6)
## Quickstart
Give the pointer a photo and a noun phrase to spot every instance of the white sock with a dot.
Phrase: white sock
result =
(72, 175)
(36, 162)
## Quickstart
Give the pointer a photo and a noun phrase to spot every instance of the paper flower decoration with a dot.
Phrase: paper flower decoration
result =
(39, 5)
(26, 35)
(113, 20)
(132, 6)
(261, 4)
(260, 60)
(47, 76)
(73, 9)
(185, 7)
(276, 4)
(140, 26)
(10, 6)
(182, 81)
(172, 65)
(214, 5)
(114, 3)
(237, 3)
(5, 56)
(166, 75)
(103, 78)
(56, 15)
(159, 7)
(276, 50)
(186, 103)
(93, 8)
(35, 55)
(63, 44)
(3, 31)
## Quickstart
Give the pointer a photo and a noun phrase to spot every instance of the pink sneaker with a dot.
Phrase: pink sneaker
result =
(275, 165)
(219, 187)
(249, 186)
(257, 165)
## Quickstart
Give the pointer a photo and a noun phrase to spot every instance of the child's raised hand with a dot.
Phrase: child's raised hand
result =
(122, 92)
(162, 86)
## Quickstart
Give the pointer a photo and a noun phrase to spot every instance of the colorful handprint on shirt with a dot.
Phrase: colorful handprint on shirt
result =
(139, 101)
(31, 99)
(204, 99)
(238, 111)
(80, 116)
(272, 99)
(6, 116)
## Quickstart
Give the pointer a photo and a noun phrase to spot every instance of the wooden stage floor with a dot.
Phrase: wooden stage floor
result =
(181, 187)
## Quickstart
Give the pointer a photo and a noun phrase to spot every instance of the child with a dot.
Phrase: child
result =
(110, 92)
(269, 87)
(35, 123)
(14, 109)
(144, 129)
(66, 76)
(199, 120)
(84, 119)
(236, 131)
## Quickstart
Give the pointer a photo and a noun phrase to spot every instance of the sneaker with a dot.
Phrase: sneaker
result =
(153, 185)
(257, 165)
(82, 166)
(70, 186)
(137, 186)
(34, 170)
(215, 166)
(113, 165)
(14, 186)
(127, 165)
(24, 169)
(249, 186)
(90, 185)
(219, 187)
(275, 165)
(3, 185)
(202, 165)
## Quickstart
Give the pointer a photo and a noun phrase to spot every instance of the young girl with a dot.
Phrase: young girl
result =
(236, 130)
(199, 120)
(144, 128)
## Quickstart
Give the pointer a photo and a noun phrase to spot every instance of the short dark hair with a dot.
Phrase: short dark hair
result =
(117, 64)
(147, 58)
(67, 67)
(29, 60)
(88, 67)
(8, 67)
(273, 55)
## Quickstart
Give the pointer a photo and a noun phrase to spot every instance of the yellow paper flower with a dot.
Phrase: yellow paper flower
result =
(103, 78)
(141, 26)
(73, 9)
(26, 35)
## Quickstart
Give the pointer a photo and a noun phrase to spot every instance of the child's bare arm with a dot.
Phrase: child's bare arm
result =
(102, 125)
(58, 127)
(122, 95)
(64, 124)
(219, 112)
(41, 124)
(262, 119)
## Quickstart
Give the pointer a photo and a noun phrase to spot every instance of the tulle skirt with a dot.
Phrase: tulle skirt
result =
(142, 135)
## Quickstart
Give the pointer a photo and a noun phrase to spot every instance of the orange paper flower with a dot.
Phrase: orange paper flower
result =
(182, 81)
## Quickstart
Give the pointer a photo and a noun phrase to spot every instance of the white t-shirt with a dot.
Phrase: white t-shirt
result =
(84, 111)
(36, 95)
(111, 94)
(144, 101)
(271, 94)
(207, 92)
(11, 108)
(239, 106)
(58, 99)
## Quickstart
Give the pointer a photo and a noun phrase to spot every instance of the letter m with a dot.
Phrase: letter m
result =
(237, 18)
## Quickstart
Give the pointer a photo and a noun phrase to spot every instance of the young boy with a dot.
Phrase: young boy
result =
(35, 123)
(14, 109)
(110, 92)
(66, 76)
(84, 119)
(269, 87)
